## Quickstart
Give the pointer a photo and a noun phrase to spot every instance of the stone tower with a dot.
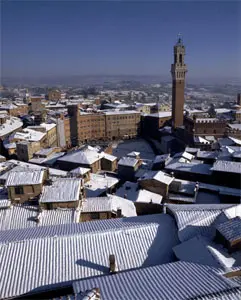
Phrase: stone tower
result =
(178, 71)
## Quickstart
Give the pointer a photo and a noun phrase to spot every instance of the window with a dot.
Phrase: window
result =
(19, 190)
(175, 59)
(95, 216)
(180, 58)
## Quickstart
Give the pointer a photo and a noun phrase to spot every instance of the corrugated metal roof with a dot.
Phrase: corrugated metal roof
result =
(193, 220)
(24, 216)
(231, 229)
(69, 255)
(62, 190)
(227, 166)
(203, 251)
(180, 280)
(109, 203)
(32, 177)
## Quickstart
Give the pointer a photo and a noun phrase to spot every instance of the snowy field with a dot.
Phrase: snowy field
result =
(138, 145)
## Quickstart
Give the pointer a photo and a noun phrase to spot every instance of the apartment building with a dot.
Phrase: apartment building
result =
(110, 125)
(119, 124)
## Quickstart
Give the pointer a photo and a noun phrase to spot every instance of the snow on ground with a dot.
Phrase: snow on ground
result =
(140, 145)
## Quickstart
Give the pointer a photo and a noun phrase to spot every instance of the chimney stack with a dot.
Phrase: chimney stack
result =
(112, 263)
(118, 213)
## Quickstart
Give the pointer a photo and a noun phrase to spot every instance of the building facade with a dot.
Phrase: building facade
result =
(54, 95)
(111, 125)
(122, 124)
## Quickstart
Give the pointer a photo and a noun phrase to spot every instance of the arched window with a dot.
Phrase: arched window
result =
(175, 58)
(180, 58)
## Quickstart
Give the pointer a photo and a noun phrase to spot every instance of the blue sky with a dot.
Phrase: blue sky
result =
(119, 37)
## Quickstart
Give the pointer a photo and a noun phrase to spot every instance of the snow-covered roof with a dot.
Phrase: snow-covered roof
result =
(192, 167)
(80, 171)
(111, 203)
(16, 178)
(9, 145)
(10, 125)
(206, 120)
(203, 251)
(236, 154)
(121, 112)
(109, 156)
(225, 141)
(8, 106)
(50, 160)
(231, 229)
(210, 138)
(69, 245)
(191, 150)
(235, 140)
(44, 152)
(48, 126)
(28, 135)
(98, 184)
(133, 154)
(122, 148)
(132, 192)
(86, 156)
(185, 155)
(27, 166)
(167, 129)
(199, 139)
(235, 126)
(222, 110)
(207, 154)
(161, 158)
(128, 161)
(158, 176)
(160, 114)
(25, 216)
(62, 190)
(179, 280)
(227, 166)
(202, 219)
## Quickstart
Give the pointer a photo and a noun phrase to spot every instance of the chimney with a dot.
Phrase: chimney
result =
(112, 263)
(196, 190)
(118, 213)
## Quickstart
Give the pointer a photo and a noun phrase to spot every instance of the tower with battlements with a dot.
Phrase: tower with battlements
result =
(178, 71)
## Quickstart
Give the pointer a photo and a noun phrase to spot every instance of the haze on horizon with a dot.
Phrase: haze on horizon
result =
(47, 39)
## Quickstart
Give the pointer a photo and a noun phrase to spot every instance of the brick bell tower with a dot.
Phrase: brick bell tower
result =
(178, 71)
